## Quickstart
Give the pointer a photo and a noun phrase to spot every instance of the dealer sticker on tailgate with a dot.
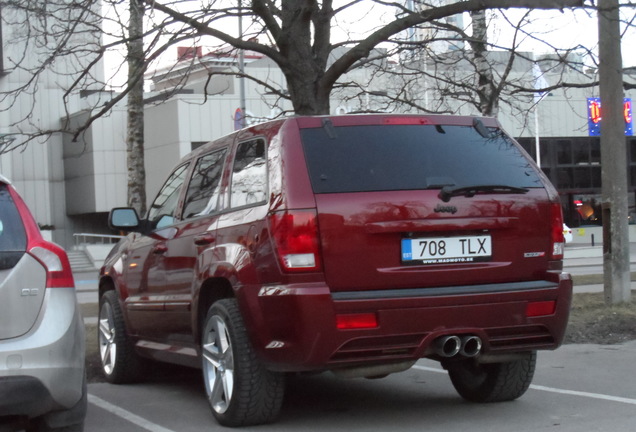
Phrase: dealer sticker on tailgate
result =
(446, 250)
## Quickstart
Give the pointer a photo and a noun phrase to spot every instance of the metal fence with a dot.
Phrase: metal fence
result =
(88, 238)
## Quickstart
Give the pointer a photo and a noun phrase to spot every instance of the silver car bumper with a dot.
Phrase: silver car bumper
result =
(43, 370)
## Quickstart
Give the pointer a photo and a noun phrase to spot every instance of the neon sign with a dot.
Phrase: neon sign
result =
(594, 116)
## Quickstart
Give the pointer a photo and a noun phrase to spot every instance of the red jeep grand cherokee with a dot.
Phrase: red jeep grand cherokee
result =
(355, 244)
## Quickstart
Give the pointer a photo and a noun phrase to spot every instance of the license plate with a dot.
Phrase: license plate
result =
(440, 250)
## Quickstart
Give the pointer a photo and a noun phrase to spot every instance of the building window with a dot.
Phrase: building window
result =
(595, 151)
(587, 210)
(564, 152)
(581, 153)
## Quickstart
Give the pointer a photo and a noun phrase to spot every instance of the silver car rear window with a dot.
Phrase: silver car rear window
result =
(13, 239)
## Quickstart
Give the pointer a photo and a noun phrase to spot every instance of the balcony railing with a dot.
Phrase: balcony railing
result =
(88, 238)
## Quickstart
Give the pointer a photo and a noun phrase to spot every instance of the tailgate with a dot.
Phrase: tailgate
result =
(468, 241)
(427, 202)
(21, 295)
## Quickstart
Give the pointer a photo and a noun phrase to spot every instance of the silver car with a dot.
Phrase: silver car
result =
(42, 372)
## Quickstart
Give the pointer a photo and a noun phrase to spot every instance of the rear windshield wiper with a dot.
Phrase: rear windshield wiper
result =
(448, 192)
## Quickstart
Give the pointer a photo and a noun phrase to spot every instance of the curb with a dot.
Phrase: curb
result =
(583, 252)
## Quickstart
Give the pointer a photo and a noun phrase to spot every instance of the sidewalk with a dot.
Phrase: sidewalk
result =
(583, 250)
(582, 255)
(86, 288)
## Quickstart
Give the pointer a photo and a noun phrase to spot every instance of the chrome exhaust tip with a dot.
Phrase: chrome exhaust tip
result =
(470, 346)
(448, 346)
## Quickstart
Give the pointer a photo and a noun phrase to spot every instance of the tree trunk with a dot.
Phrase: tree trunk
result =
(306, 62)
(135, 134)
(488, 97)
(613, 157)
(306, 96)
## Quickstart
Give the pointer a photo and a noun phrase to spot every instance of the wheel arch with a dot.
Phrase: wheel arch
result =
(106, 283)
(212, 290)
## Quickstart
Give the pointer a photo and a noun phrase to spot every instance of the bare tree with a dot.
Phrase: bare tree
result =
(295, 34)
(51, 46)
(488, 95)
(478, 75)
(135, 106)
(298, 37)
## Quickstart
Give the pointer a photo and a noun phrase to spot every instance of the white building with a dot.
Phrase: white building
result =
(441, 38)
(31, 101)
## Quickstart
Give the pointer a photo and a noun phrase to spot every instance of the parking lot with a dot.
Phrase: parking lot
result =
(576, 388)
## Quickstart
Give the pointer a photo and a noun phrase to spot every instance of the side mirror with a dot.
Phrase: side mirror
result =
(124, 219)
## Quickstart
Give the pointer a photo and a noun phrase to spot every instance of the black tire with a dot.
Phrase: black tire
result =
(120, 363)
(239, 389)
(43, 427)
(492, 382)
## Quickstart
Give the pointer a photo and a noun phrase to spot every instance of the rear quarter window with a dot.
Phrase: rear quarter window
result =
(403, 157)
(249, 174)
(13, 239)
(204, 189)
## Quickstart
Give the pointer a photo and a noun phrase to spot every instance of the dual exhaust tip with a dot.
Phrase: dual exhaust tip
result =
(450, 346)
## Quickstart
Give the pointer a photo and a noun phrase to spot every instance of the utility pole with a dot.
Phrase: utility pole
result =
(613, 156)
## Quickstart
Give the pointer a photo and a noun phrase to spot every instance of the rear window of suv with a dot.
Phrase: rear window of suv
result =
(403, 157)
(13, 239)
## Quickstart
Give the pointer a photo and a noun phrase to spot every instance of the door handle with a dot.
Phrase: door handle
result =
(203, 239)
(160, 249)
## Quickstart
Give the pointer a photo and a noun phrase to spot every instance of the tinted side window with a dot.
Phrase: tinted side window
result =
(163, 209)
(13, 239)
(203, 192)
(402, 157)
(249, 174)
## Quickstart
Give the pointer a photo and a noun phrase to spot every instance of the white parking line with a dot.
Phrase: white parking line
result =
(585, 394)
(152, 427)
(556, 390)
(126, 415)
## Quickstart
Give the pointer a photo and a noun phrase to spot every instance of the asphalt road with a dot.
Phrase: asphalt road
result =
(576, 388)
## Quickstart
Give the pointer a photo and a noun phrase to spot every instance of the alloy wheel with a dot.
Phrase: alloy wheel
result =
(107, 344)
(218, 364)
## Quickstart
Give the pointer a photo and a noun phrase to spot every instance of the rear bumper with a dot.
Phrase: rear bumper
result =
(293, 328)
(43, 371)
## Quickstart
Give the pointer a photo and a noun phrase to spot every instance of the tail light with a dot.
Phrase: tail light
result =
(55, 261)
(540, 308)
(51, 256)
(557, 239)
(356, 321)
(295, 235)
(406, 121)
